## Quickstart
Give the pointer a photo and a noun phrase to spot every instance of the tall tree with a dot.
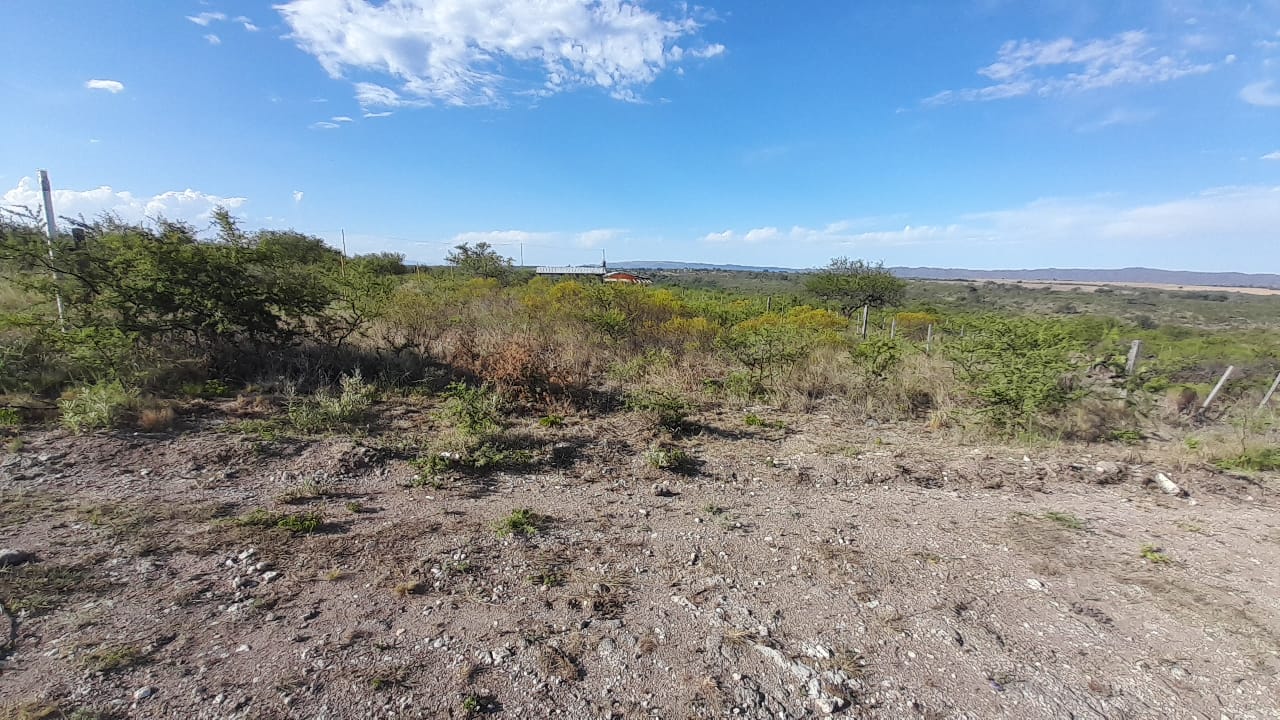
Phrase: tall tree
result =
(851, 284)
(479, 261)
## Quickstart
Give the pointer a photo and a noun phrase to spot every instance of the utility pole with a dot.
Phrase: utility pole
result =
(51, 230)
(342, 266)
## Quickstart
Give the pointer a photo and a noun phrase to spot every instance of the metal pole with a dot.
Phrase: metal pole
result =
(1134, 349)
(1217, 388)
(1267, 398)
(51, 230)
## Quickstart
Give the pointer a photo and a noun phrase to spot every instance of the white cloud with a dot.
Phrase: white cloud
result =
(297, 196)
(368, 114)
(213, 39)
(763, 234)
(476, 52)
(246, 23)
(325, 125)
(594, 238)
(1272, 155)
(189, 205)
(1261, 94)
(1062, 66)
(1090, 232)
(503, 237)
(205, 18)
(111, 86)
(341, 119)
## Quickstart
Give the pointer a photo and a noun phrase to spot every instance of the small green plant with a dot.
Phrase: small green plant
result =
(355, 507)
(296, 523)
(1065, 519)
(326, 411)
(101, 405)
(475, 410)
(664, 409)
(1258, 459)
(753, 420)
(521, 521)
(471, 704)
(1192, 442)
(310, 489)
(10, 417)
(211, 388)
(1154, 554)
(112, 657)
(551, 421)
(667, 458)
(1125, 436)
(263, 430)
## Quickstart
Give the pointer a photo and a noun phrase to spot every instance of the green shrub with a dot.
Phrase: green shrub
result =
(667, 458)
(296, 523)
(1260, 459)
(522, 521)
(101, 405)
(664, 409)
(326, 411)
(1018, 369)
(475, 410)
(551, 420)
(10, 417)
(879, 356)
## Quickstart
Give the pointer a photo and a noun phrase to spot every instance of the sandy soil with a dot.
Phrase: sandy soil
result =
(828, 567)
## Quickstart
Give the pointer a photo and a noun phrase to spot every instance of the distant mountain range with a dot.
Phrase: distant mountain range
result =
(1080, 275)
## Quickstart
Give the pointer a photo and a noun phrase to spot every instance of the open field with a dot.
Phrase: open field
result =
(817, 564)
(1093, 286)
(251, 477)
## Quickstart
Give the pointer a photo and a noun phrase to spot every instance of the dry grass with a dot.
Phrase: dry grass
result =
(156, 419)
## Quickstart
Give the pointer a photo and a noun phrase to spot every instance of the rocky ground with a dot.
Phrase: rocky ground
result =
(823, 567)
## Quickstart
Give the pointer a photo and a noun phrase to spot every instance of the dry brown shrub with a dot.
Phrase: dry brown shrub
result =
(156, 419)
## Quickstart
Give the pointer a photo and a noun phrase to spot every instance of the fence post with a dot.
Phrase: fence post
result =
(1134, 349)
(1217, 388)
(928, 340)
(893, 327)
(865, 309)
(1267, 398)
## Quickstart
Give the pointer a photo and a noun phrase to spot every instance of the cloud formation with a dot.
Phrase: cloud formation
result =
(186, 205)
(213, 39)
(479, 52)
(1218, 220)
(1272, 155)
(1261, 94)
(205, 18)
(111, 86)
(1063, 66)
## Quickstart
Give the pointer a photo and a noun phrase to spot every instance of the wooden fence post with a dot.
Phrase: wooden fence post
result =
(865, 309)
(1267, 398)
(928, 339)
(1217, 388)
(1134, 349)
(893, 327)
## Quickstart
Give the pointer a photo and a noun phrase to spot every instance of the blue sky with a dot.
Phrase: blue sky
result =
(970, 133)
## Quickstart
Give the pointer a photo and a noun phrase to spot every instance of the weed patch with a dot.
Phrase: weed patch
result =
(296, 523)
(521, 521)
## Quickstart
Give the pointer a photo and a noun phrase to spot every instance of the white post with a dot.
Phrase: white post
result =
(893, 327)
(865, 309)
(51, 230)
(928, 339)
(1216, 388)
(1267, 398)
(1134, 349)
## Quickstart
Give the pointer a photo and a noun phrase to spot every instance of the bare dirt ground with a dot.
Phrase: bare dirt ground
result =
(829, 567)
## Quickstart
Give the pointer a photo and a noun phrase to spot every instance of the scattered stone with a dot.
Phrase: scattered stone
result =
(143, 693)
(1109, 473)
(11, 556)
(1168, 486)
(270, 575)
(1035, 584)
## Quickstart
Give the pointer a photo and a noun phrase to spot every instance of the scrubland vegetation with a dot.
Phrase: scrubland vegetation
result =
(156, 316)
(352, 488)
